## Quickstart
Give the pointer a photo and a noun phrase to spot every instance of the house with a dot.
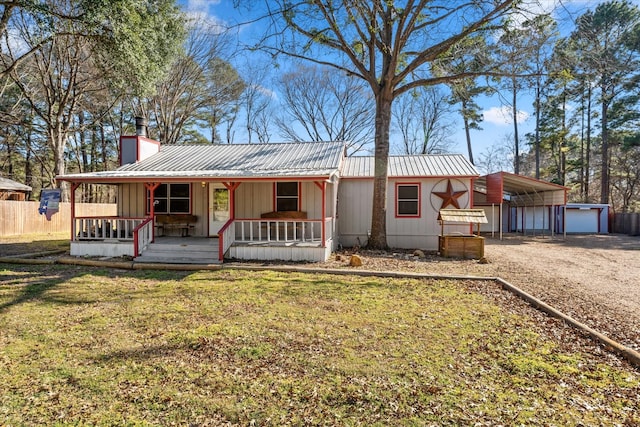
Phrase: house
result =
(12, 190)
(288, 201)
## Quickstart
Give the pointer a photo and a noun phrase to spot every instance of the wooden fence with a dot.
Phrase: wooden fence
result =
(23, 217)
(627, 223)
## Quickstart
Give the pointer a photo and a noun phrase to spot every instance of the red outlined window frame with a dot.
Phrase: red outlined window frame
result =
(418, 185)
(275, 194)
(168, 198)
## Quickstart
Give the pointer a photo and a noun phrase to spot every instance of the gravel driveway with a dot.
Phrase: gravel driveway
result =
(593, 278)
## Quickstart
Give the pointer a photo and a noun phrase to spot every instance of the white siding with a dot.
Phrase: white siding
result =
(312, 200)
(281, 253)
(535, 218)
(253, 199)
(354, 213)
(131, 200)
(493, 217)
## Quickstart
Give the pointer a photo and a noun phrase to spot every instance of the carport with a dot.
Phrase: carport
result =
(520, 203)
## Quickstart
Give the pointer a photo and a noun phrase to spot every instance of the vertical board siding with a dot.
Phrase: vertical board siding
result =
(23, 217)
(200, 207)
(311, 200)
(355, 198)
(253, 199)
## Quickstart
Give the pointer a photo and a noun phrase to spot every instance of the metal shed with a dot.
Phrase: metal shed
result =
(592, 218)
(534, 206)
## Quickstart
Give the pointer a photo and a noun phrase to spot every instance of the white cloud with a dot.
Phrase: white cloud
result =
(201, 5)
(503, 115)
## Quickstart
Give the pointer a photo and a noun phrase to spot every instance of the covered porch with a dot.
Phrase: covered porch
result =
(259, 202)
(246, 239)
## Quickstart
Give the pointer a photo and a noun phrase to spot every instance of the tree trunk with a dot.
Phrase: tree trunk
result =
(467, 131)
(516, 142)
(582, 132)
(587, 165)
(563, 141)
(537, 142)
(28, 178)
(57, 141)
(604, 177)
(378, 238)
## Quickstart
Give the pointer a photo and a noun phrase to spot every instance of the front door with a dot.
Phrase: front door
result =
(219, 209)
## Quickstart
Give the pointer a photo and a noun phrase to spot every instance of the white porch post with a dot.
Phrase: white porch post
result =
(323, 188)
(151, 187)
(74, 187)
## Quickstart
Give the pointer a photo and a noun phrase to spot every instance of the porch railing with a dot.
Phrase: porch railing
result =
(226, 238)
(101, 228)
(282, 230)
(142, 236)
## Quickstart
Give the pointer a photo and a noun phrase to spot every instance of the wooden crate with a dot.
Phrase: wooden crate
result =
(461, 246)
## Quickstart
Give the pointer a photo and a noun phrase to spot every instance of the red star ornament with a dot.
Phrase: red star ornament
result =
(449, 197)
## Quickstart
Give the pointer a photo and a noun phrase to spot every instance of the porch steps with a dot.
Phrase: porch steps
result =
(181, 251)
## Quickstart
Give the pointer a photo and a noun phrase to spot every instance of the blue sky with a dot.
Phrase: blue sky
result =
(497, 126)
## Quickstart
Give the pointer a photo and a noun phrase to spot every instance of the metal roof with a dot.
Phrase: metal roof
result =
(11, 185)
(475, 216)
(318, 159)
(427, 165)
(523, 190)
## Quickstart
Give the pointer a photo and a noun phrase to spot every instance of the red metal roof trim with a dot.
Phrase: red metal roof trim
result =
(495, 188)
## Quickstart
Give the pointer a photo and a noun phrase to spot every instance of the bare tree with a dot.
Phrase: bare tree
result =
(198, 89)
(497, 157)
(256, 104)
(59, 76)
(388, 45)
(422, 117)
(322, 105)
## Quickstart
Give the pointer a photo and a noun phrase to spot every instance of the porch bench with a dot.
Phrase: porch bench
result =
(183, 222)
(282, 215)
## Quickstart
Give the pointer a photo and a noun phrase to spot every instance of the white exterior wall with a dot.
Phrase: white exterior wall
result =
(354, 212)
(280, 253)
(493, 218)
(587, 218)
(532, 218)
(253, 198)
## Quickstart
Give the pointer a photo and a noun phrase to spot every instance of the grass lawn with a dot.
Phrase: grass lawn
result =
(105, 347)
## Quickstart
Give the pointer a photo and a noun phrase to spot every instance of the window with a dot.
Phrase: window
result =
(171, 198)
(408, 200)
(287, 196)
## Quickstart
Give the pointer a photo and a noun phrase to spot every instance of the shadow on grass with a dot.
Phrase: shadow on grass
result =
(37, 281)
(18, 248)
(32, 291)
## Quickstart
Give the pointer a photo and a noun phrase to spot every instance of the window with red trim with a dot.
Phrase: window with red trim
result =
(408, 200)
(171, 198)
(287, 196)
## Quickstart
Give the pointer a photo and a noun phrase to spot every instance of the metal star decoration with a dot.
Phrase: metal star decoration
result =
(449, 197)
